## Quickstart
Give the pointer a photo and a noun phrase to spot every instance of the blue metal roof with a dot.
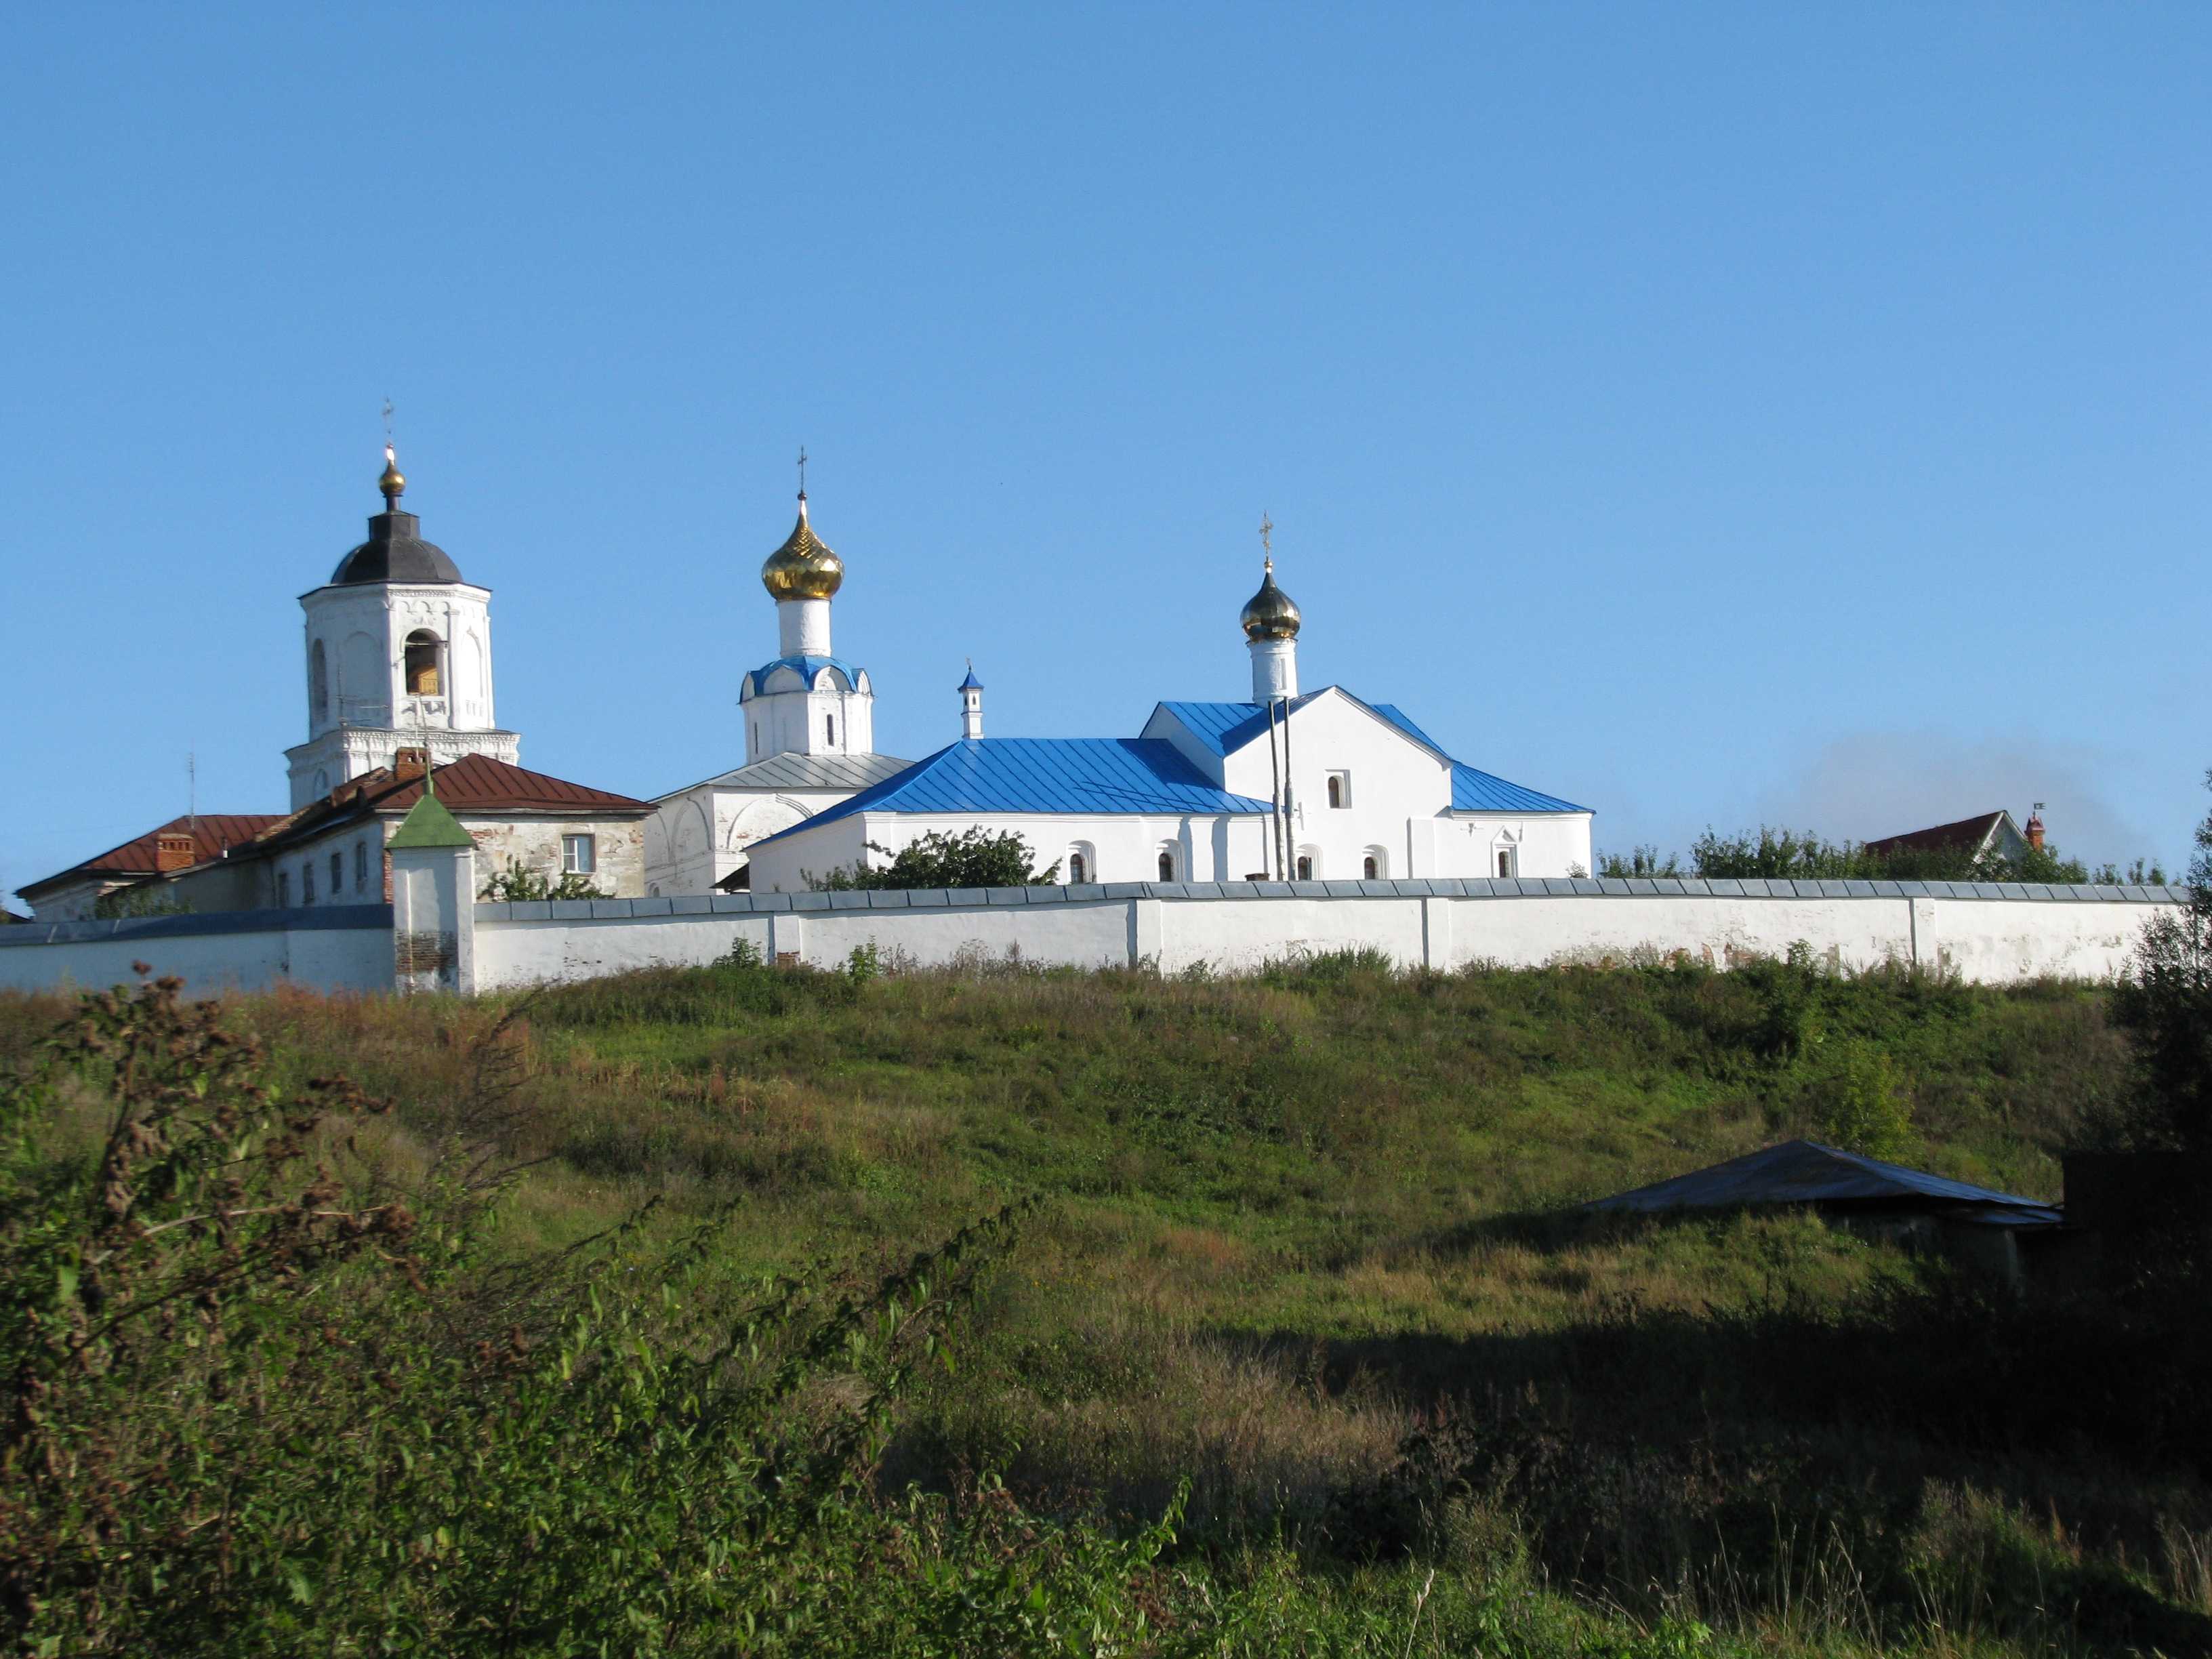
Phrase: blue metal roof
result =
(1474, 791)
(971, 684)
(1044, 775)
(1806, 1172)
(1225, 727)
(1397, 717)
(807, 667)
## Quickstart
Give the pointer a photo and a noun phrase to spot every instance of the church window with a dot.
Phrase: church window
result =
(360, 866)
(1507, 862)
(1077, 872)
(338, 874)
(1306, 866)
(283, 889)
(1374, 864)
(422, 664)
(579, 856)
(1368, 869)
(1167, 865)
(307, 882)
(1340, 789)
(830, 724)
(318, 684)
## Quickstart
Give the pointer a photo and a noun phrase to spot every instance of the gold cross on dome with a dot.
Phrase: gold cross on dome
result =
(802, 469)
(1267, 546)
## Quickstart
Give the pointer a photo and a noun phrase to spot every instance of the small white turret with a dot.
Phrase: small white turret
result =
(1271, 631)
(971, 705)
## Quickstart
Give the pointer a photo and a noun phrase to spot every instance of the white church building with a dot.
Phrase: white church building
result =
(1290, 785)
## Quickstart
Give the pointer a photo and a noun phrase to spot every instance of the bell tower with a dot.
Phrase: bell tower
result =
(398, 655)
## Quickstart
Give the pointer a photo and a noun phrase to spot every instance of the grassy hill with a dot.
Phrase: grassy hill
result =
(1301, 1266)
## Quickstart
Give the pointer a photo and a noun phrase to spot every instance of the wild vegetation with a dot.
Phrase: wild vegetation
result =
(974, 857)
(1006, 1311)
(1804, 855)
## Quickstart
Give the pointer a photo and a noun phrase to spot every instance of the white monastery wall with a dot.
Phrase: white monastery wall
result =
(1983, 932)
(537, 843)
(347, 948)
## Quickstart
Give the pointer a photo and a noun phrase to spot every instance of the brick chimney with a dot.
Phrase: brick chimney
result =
(2035, 826)
(175, 852)
(408, 764)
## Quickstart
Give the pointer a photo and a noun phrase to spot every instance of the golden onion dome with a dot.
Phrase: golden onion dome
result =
(394, 483)
(802, 568)
(1270, 614)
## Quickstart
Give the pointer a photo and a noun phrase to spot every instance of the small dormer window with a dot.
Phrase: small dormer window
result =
(422, 664)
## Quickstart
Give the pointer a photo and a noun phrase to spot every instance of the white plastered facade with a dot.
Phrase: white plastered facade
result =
(361, 711)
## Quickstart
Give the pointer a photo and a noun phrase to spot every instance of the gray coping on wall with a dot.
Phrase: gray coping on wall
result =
(1497, 887)
(315, 918)
(332, 917)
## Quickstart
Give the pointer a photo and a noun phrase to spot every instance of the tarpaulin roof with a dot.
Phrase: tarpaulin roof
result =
(1806, 1172)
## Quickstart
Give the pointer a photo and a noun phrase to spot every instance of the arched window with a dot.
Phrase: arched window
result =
(1335, 790)
(829, 725)
(422, 664)
(318, 684)
(1305, 866)
(1079, 872)
(1509, 861)
(1368, 869)
(1167, 865)
(1082, 864)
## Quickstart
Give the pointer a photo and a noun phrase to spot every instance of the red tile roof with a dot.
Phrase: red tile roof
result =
(473, 785)
(1966, 832)
(477, 783)
(211, 831)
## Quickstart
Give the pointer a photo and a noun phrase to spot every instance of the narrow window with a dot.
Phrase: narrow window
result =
(1336, 781)
(1305, 866)
(307, 882)
(1167, 866)
(422, 664)
(1504, 860)
(360, 866)
(830, 722)
(318, 684)
(338, 874)
(579, 856)
(1368, 869)
(283, 889)
(1077, 872)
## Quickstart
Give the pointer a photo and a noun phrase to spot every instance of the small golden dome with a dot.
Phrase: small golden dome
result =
(394, 483)
(802, 568)
(1269, 614)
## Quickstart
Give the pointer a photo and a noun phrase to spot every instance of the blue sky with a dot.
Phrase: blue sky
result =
(1710, 413)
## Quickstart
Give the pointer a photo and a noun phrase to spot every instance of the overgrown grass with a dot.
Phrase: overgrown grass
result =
(1307, 1250)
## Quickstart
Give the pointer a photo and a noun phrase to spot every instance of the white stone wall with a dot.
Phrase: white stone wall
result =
(1985, 940)
(1983, 933)
(696, 837)
(253, 953)
(365, 711)
(537, 842)
(1118, 846)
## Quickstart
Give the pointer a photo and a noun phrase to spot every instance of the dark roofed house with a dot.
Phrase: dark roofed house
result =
(331, 851)
(1888, 1201)
(73, 894)
(1987, 835)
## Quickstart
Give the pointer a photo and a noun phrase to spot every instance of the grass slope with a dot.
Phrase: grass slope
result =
(1308, 1247)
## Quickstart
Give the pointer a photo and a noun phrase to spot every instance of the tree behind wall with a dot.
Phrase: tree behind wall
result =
(2165, 1003)
(974, 857)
